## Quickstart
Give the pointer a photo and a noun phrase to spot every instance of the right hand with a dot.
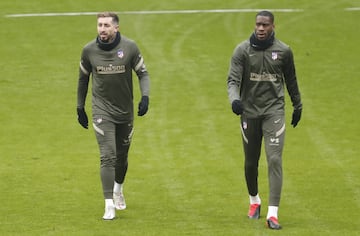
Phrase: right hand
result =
(82, 117)
(237, 107)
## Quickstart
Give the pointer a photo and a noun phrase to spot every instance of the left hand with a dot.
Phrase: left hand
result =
(143, 105)
(296, 116)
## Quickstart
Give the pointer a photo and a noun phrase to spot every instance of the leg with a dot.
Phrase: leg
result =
(123, 140)
(274, 135)
(252, 138)
(124, 134)
(105, 135)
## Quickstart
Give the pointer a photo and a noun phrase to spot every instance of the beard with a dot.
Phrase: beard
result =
(104, 38)
(107, 38)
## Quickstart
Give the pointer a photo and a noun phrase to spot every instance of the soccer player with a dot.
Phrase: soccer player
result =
(110, 59)
(259, 68)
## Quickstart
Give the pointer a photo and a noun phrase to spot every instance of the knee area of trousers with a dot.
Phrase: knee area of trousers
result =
(274, 161)
(107, 161)
(251, 166)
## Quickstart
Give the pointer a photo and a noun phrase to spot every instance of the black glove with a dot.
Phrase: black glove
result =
(296, 116)
(82, 117)
(143, 105)
(237, 107)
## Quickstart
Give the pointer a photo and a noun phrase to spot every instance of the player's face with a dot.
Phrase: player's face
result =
(263, 27)
(107, 29)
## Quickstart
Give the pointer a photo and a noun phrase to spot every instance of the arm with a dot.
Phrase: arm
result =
(144, 82)
(291, 80)
(234, 80)
(142, 74)
(83, 83)
(144, 85)
(292, 87)
(82, 89)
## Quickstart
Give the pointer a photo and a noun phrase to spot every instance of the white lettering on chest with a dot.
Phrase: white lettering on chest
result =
(111, 69)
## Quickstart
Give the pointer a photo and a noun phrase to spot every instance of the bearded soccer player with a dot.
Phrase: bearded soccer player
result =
(110, 59)
(259, 68)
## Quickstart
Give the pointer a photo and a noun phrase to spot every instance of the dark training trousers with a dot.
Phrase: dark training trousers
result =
(114, 142)
(272, 130)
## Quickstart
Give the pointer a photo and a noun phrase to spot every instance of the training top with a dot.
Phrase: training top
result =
(257, 77)
(112, 84)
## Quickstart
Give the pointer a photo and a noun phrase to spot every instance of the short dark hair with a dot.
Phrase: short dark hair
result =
(267, 14)
(113, 15)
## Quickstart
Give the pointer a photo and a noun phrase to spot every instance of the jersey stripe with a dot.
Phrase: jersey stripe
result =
(82, 68)
(139, 65)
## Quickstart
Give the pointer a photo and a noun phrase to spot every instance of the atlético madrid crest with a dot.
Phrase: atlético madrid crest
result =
(120, 53)
(274, 55)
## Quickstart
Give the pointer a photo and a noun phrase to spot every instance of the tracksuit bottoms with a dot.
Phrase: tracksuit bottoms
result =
(114, 142)
(271, 128)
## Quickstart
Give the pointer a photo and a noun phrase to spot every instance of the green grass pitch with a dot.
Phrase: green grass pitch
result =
(186, 162)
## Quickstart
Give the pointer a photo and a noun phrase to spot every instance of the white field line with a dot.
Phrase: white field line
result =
(152, 12)
(352, 9)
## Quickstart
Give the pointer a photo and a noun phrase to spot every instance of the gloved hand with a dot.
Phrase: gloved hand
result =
(82, 117)
(296, 116)
(143, 105)
(237, 107)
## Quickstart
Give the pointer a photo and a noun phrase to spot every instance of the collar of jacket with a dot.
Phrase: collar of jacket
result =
(108, 46)
(261, 44)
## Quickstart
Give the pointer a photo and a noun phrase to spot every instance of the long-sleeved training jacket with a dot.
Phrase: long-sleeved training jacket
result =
(257, 78)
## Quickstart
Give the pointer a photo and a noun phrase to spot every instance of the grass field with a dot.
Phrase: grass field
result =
(186, 162)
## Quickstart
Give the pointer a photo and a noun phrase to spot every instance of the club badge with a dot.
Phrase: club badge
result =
(120, 53)
(274, 55)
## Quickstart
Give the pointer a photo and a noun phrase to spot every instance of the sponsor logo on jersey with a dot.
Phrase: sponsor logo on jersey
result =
(110, 69)
(263, 77)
